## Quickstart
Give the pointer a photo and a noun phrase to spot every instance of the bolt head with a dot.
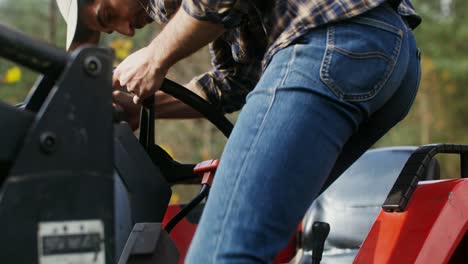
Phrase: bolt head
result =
(48, 142)
(93, 66)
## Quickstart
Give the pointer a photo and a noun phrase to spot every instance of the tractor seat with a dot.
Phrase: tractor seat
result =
(352, 203)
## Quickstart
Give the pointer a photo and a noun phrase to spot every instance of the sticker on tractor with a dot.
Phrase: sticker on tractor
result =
(71, 242)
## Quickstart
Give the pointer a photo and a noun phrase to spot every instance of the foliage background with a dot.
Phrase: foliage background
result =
(439, 113)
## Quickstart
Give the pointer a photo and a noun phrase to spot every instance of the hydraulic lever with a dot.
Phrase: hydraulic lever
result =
(313, 243)
(320, 232)
(207, 171)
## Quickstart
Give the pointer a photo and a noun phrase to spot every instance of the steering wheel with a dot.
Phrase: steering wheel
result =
(173, 171)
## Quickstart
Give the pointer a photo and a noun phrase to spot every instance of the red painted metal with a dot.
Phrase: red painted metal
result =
(288, 253)
(207, 165)
(183, 232)
(429, 231)
(207, 170)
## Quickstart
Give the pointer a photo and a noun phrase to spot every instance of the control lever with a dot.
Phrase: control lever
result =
(207, 170)
(313, 240)
(320, 231)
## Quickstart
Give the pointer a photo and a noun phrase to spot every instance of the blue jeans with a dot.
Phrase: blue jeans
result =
(320, 104)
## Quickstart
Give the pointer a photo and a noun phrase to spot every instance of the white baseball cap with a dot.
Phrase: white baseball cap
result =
(70, 12)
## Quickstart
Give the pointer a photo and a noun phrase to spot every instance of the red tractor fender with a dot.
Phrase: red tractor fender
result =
(432, 229)
(182, 235)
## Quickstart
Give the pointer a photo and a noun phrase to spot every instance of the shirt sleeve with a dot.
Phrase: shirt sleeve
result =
(229, 82)
(229, 13)
(162, 10)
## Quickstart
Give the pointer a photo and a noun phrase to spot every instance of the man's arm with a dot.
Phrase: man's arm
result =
(143, 72)
(166, 106)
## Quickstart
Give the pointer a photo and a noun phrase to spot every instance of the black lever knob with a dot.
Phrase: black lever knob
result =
(320, 231)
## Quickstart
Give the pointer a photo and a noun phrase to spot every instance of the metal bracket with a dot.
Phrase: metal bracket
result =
(414, 169)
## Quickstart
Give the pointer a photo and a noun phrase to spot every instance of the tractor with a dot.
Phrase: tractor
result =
(77, 185)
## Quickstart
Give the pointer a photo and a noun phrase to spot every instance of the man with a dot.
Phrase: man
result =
(325, 80)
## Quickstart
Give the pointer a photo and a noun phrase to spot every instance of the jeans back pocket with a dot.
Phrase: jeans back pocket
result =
(360, 56)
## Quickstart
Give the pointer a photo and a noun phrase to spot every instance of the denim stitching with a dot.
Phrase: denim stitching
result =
(379, 85)
(249, 151)
(415, 91)
(377, 24)
(327, 57)
(400, 18)
(239, 175)
(364, 55)
(325, 76)
(288, 67)
(281, 82)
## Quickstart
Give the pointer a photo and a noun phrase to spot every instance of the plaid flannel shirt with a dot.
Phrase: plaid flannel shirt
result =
(256, 30)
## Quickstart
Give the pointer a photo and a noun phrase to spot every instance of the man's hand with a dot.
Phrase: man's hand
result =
(143, 72)
(140, 73)
(166, 106)
(132, 110)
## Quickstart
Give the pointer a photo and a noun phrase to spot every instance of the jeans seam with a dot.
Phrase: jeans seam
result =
(249, 151)
(413, 95)
(327, 57)
(379, 85)
(377, 24)
(239, 175)
(288, 66)
(401, 19)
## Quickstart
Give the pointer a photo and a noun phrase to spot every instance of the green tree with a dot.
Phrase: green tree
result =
(439, 113)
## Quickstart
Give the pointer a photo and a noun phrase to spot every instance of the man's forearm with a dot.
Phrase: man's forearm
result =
(170, 107)
(181, 37)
